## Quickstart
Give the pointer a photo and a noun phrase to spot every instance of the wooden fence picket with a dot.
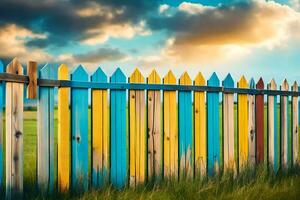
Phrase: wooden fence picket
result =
(228, 126)
(100, 132)
(252, 126)
(273, 133)
(213, 128)
(1, 124)
(118, 141)
(137, 131)
(63, 134)
(295, 134)
(185, 129)
(14, 133)
(243, 115)
(200, 132)
(79, 131)
(45, 135)
(284, 131)
(170, 130)
(154, 130)
(259, 118)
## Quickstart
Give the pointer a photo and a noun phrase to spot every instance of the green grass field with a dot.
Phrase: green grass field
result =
(248, 185)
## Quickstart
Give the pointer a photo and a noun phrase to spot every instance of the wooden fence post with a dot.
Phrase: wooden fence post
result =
(170, 130)
(14, 133)
(79, 129)
(100, 134)
(45, 137)
(118, 142)
(64, 134)
(213, 127)
(1, 123)
(228, 126)
(252, 126)
(32, 85)
(155, 153)
(186, 146)
(200, 131)
(259, 124)
(295, 135)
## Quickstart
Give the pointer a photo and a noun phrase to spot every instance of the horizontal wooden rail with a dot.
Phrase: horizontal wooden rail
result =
(133, 86)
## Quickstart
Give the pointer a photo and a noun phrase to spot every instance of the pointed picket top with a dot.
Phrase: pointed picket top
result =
(14, 67)
(284, 86)
(154, 77)
(252, 83)
(272, 85)
(243, 83)
(185, 79)
(136, 77)
(63, 72)
(79, 74)
(295, 87)
(260, 84)
(170, 78)
(213, 80)
(1, 66)
(228, 82)
(47, 71)
(99, 76)
(118, 76)
(200, 80)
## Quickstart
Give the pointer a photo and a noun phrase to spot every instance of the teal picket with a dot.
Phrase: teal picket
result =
(1, 124)
(118, 144)
(79, 129)
(185, 133)
(99, 175)
(213, 127)
(45, 136)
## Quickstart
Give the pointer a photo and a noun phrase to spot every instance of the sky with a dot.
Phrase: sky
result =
(253, 38)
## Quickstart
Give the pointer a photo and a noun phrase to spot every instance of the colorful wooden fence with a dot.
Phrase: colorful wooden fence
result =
(143, 130)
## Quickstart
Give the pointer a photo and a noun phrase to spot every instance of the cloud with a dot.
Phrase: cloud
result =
(12, 42)
(204, 34)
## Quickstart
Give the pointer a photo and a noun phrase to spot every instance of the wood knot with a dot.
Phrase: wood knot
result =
(196, 111)
(132, 96)
(18, 134)
(150, 99)
(78, 139)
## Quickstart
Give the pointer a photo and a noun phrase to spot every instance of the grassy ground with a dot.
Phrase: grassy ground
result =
(248, 185)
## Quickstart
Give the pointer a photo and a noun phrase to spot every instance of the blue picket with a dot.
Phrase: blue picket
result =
(98, 176)
(46, 132)
(185, 132)
(118, 129)
(79, 129)
(213, 126)
(1, 123)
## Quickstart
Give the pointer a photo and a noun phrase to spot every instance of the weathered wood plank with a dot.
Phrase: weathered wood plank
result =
(79, 130)
(14, 133)
(137, 131)
(259, 118)
(200, 128)
(1, 125)
(295, 135)
(170, 130)
(243, 116)
(186, 146)
(213, 128)
(252, 126)
(284, 132)
(273, 133)
(100, 134)
(228, 126)
(154, 130)
(45, 135)
(32, 85)
(63, 141)
(118, 142)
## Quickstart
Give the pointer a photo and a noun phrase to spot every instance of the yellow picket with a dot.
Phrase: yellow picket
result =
(200, 128)
(63, 117)
(137, 131)
(170, 130)
(243, 124)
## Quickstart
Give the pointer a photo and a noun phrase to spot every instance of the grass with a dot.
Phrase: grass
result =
(250, 184)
